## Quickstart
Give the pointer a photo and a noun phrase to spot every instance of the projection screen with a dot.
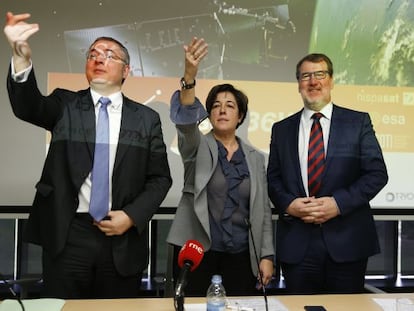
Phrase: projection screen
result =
(254, 45)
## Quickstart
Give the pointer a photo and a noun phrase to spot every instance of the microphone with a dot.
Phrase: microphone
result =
(9, 286)
(189, 259)
(249, 226)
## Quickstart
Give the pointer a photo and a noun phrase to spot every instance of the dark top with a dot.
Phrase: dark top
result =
(228, 202)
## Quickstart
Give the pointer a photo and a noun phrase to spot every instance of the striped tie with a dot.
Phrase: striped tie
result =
(316, 156)
(99, 204)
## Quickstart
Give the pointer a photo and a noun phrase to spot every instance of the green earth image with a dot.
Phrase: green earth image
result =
(371, 42)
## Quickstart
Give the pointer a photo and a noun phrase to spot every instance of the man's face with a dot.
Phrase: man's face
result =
(105, 66)
(315, 85)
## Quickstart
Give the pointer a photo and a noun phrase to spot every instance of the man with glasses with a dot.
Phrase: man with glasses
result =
(325, 165)
(105, 174)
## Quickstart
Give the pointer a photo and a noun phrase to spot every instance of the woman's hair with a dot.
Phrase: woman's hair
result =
(241, 99)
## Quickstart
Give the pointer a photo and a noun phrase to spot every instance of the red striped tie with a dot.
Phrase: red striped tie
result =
(316, 156)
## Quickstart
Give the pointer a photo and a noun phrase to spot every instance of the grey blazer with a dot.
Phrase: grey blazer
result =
(200, 157)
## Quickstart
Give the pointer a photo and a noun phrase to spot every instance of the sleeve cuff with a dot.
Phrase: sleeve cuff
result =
(20, 76)
(182, 115)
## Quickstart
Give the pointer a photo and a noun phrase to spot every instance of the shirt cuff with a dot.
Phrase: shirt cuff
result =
(270, 257)
(21, 76)
(337, 207)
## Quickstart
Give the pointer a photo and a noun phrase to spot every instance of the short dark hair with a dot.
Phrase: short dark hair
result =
(241, 99)
(123, 48)
(314, 58)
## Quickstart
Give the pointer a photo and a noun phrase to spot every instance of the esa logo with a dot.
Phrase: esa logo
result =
(399, 196)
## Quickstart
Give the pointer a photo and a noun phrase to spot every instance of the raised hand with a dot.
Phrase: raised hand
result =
(17, 31)
(194, 53)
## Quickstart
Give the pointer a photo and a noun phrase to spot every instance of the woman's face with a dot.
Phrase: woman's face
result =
(224, 114)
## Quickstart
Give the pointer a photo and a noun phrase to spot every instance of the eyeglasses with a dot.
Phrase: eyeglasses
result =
(318, 75)
(109, 55)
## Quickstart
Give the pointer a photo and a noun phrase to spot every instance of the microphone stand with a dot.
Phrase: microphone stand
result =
(12, 291)
(179, 289)
(179, 302)
(249, 226)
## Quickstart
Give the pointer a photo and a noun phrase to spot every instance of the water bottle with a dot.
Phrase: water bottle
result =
(216, 295)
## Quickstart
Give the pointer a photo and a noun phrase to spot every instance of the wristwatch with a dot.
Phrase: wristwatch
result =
(185, 85)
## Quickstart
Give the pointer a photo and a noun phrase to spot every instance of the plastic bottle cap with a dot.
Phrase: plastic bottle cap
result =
(216, 278)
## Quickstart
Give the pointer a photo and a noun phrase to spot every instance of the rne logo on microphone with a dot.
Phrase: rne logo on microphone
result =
(198, 248)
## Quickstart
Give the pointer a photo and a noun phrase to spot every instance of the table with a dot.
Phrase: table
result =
(357, 302)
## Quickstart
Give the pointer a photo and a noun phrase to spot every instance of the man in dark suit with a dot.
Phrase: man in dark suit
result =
(326, 233)
(85, 256)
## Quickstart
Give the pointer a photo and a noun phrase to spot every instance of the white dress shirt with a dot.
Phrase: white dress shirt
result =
(304, 133)
(115, 113)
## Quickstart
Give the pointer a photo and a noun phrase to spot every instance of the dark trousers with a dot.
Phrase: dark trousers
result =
(85, 268)
(318, 273)
(235, 269)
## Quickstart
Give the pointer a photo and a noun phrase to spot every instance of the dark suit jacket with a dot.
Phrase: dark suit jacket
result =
(354, 173)
(140, 180)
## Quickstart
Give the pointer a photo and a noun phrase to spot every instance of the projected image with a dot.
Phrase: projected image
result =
(254, 45)
(257, 40)
(370, 43)
(367, 47)
(247, 40)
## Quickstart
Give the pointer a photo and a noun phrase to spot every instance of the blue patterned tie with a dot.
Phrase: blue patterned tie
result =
(99, 204)
(316, 156)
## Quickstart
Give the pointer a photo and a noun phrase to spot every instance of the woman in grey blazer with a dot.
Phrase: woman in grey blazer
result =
(225, 188)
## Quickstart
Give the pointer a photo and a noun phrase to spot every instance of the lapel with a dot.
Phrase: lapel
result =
(206, 162)
(334, 136)
(130, 124)
(292, 135)
(87, 113)
(78, 126)
(252, 163)
(207, 157)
